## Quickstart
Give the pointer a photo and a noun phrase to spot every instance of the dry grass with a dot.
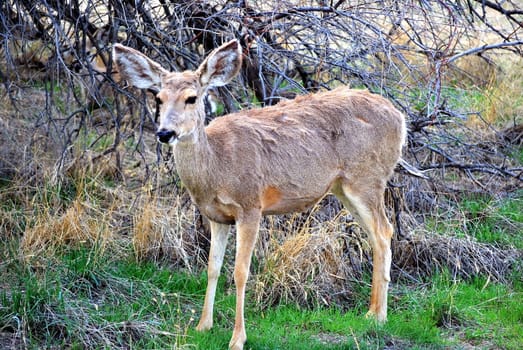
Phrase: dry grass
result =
(165, 229)
(422, 256)
(502, 106)
(79, 225)
(328, 259)
(94, 164)
(316, 265)
(328, 266)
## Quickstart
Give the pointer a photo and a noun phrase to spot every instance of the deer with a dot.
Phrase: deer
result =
(273, 160)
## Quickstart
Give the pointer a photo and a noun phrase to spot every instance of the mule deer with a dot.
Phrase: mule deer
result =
(273, 160)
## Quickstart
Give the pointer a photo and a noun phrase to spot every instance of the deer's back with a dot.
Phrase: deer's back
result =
(344, 125)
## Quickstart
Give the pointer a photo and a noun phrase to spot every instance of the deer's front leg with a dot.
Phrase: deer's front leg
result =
(247, 231)
(219, 234)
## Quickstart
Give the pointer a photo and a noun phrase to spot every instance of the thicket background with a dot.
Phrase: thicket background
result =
(79, 164)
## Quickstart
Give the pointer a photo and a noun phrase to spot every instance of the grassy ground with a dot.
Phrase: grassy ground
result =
(486, 219)
(88, 297)
(145, 306)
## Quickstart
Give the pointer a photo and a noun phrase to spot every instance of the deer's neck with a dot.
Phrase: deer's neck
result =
(196, 162)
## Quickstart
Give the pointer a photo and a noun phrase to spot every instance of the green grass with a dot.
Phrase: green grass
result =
(519, 155)
(495, 221)
(486, 219)
(456, 98)
(96, 142)
(82, 299)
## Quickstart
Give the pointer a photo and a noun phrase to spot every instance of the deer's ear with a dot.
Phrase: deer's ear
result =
(221, 65)
(138, 69)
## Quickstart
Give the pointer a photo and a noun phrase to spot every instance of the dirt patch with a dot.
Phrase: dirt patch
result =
(330, 338)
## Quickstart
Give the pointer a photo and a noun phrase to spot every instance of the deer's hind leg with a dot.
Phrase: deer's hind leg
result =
(366, 203)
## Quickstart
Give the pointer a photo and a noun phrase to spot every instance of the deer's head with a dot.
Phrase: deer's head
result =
(181, 93)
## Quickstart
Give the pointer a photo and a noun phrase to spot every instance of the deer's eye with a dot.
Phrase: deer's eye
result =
(190, 100)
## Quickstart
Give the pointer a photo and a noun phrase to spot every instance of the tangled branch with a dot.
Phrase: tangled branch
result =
(409, 51)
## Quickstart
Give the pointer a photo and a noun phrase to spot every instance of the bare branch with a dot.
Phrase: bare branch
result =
(483, 48)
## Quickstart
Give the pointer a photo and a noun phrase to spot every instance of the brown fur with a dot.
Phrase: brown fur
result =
(275, 160)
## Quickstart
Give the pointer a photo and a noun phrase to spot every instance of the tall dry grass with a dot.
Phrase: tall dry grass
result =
(165, 229)
(61, 223)
(502, 105)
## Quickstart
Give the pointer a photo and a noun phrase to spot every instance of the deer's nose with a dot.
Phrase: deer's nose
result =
(165, 135)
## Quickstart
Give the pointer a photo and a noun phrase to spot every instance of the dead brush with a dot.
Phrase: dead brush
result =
(95, 164)
(322, 264)
(422, 256)
(320, 267)
(315, 266)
